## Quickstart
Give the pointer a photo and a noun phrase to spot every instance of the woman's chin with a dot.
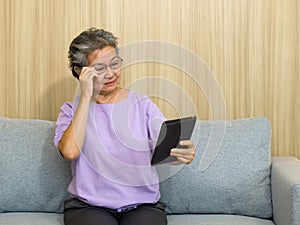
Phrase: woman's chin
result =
(108, 88)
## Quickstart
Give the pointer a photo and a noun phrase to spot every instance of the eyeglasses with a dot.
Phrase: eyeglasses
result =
(114, 64)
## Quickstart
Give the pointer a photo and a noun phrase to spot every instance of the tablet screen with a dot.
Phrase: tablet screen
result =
(171, 133)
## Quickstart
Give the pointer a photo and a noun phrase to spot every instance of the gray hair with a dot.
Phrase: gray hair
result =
(85, 43)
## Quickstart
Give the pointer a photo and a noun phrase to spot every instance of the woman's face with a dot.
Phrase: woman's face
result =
(104, 61)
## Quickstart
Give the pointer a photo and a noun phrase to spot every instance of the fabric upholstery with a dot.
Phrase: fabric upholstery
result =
(34, 176)
(286, 190)
(57, 219)
(15, 218)
(216, 220)
(229, 176)
(230, 173)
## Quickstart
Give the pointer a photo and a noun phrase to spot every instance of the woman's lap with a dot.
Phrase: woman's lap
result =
(78, 213)
(90, 216)
(146, 215)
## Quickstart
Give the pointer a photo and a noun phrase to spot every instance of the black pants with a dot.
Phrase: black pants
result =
(77, 212)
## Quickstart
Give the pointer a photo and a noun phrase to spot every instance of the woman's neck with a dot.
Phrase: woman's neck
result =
(119, 94)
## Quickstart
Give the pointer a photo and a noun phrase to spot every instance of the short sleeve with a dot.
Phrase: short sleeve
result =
(155, 120)
(64, 119)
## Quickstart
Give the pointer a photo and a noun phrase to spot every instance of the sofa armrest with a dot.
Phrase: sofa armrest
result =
(285, 184)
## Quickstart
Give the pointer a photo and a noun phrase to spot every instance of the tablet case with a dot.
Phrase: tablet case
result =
(171, 133)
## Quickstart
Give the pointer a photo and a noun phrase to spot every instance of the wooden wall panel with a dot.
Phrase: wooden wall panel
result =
(251, 47)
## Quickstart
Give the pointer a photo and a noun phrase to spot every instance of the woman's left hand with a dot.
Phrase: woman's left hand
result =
(186, 154)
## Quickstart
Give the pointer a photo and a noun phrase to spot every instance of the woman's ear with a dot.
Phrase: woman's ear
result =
(77, 69)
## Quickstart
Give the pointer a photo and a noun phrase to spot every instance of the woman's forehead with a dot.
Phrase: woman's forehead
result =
(103, 55)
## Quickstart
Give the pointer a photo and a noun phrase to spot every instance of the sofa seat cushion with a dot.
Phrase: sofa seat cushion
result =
(188, 219)
(216, 220)
(229, 175)
(31, 219)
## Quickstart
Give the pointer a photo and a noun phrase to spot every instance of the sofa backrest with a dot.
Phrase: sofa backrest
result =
(33, 175)
(230, 173)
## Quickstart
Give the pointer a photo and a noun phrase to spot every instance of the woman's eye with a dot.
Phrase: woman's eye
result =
(100, 69)
(114, 64)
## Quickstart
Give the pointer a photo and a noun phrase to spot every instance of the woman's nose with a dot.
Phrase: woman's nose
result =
(109, 73)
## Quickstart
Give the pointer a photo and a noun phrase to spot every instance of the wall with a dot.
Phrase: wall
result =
(250, 47)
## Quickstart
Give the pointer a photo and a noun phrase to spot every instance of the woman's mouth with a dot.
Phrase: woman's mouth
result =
(110, 83)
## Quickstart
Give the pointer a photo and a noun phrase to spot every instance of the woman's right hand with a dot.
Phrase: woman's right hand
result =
(86, 79)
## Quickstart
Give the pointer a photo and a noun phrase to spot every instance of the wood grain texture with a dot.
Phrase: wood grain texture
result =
(251, 48)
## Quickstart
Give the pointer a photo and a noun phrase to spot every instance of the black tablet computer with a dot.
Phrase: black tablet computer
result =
(171, 133)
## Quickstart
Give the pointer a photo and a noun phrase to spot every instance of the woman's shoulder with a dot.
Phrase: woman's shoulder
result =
(142, 100)
(67, 105)
(135, 95)
(67, 108)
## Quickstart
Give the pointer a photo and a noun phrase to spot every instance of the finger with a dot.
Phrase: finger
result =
(88, 72)
(178, 152)
(188, 143)
(183, 152)
(185, 160)
(83, 70)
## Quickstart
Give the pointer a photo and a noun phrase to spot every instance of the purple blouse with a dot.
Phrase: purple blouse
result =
(113, 169)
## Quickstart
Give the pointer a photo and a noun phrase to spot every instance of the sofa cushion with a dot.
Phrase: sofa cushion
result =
(230, 173)
(34, 177)
(57, 219)
(15, 218)
(216, 220)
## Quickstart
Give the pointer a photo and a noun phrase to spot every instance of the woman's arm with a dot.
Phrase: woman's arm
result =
(72, 140)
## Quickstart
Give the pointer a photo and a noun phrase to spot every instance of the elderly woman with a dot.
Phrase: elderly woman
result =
(109, 134)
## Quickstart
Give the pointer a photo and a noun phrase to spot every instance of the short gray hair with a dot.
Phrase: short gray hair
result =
(85, 43)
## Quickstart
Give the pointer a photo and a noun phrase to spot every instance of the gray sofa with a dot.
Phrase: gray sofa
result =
(233, 179)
